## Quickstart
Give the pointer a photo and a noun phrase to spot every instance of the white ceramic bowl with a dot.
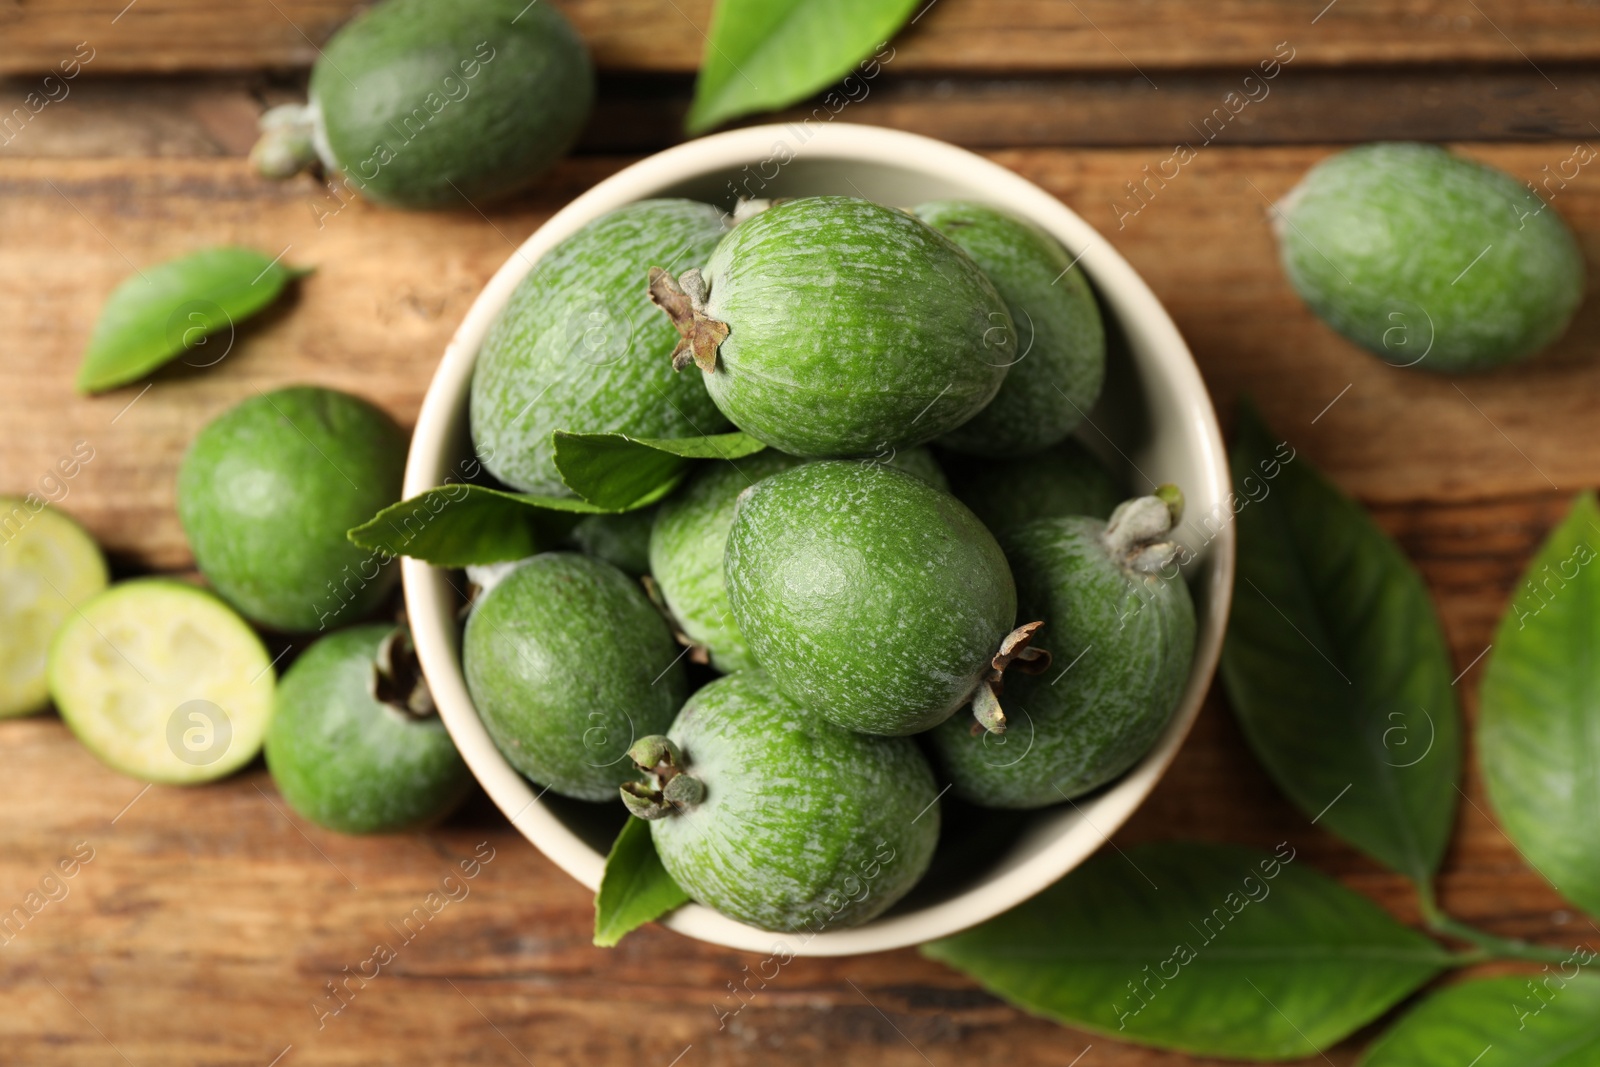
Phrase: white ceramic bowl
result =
(1155, 422)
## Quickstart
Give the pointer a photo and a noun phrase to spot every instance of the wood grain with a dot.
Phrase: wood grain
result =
(215, 115)
(970, 35)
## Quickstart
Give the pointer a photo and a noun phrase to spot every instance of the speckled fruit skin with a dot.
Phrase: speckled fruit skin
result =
(580, 346)
(871, 597)
(352, 764)
(804, 826)
(1122, 643)
(621, 540)
(1383, 241)
(568, 663)
(691, 531)
(686, 549)
(854, 328)
(267, 492)
(425, 104)
(1061, 342)
(1065, 479)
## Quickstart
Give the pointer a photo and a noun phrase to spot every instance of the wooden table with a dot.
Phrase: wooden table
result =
(209, 922)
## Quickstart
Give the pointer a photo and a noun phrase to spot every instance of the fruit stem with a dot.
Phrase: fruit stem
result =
(684, 300)
(1135, 534)
(1488, 946)
(666, 789)
(287, 146)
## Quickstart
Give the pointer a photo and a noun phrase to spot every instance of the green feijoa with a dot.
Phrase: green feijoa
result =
(1064, 479)
(1428, 259)
(1061, 342)
(1120, 625)
(831, 326)
(580, 348)
(775, 818)
(687, 541)
(686, 546)
(621, 540)
(871, 597)
(267, 492)
(417, 104)
(354, 744)
(568, 663)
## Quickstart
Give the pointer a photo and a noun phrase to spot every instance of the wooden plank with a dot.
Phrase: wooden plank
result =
(216, 115)
(984, 35)
(215, 899)
(391, 287)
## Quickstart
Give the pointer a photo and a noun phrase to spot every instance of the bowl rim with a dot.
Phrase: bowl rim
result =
(1150, 330)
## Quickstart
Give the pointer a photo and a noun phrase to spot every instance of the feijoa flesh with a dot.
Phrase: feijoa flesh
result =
(1120, 625)
(163, 681)
(49, 568)
(355, 744)
(418, 104)
(773, 817)
(568, 663)
(872, 598)
(579, 347)
(267, 492)
(1061, 342)
(1429, 259)
(833, 326)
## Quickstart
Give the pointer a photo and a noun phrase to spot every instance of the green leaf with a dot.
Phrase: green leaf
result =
(621, 473)
(1544, 1020)
(1540, 725)
(1335, 663)
(190, 303)
(635, 888)
(766, 54)
(459, 525)
(1212, 949)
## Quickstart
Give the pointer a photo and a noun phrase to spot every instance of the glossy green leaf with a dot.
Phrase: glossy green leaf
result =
(621, 473)
(1540, 724)
(460, 525)
(635, 888)
(1213, 949)
(767, 54)
(1335, 663)
(1549, 1019)
(189, 304)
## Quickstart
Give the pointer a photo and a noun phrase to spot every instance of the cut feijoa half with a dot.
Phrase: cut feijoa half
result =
(163, 681)
(48, 567)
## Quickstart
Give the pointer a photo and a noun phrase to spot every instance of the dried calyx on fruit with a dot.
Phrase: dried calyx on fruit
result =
(666, 787)
(1017, 652)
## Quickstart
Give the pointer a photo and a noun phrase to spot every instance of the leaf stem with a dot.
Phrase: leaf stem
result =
(1488, 945)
